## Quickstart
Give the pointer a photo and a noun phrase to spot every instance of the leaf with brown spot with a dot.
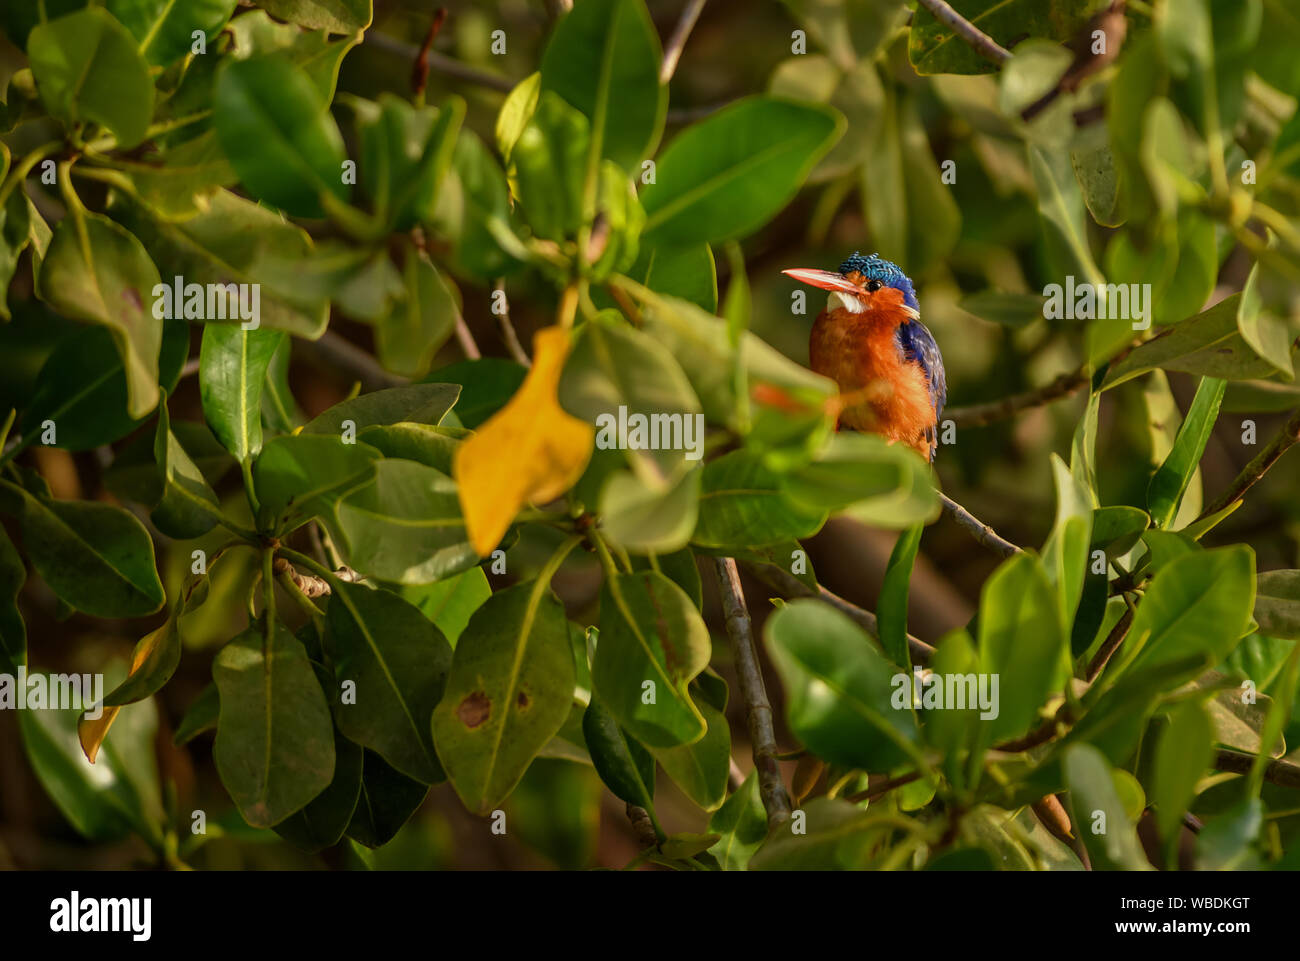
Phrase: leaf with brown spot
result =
(651, 631)
(509, 691)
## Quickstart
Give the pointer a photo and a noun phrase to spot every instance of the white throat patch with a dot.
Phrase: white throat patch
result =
(850, 303)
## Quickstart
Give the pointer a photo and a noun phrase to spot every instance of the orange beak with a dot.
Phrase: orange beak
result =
(825, 279)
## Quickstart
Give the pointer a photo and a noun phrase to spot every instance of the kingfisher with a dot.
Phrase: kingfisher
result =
(871, 342)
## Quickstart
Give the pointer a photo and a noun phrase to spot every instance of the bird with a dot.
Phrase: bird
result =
(871, 342)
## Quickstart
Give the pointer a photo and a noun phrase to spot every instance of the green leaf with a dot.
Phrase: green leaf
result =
(237, 241)
(416, 403)
(407, 526)
(1066, 553)
(1104, 825)
(281, 140)
(188, 506)
(613, 367)
(15, 235)
(104, 275)
(516, 111)
(881, 484)
(322, 822)
(232, 371)
(549, 160)
(88, 68)
(1209, 344)
(412, 333)
(891, 608)
(388, 799)
(428, 445)
(397, 662)
(304, 475)
(604, 60)
(102, 801)
(840, 693)
(13, 632)
(1020, 643)
(509, 692)
(450, 602)
(743, 503)
(405, 153)
(486, 384)
(478, 201)
(335, 16)
(723, 177)
(1199, 603)
(1227, 842)
(1277, 604)
(639, 516)
(1167, 487)
(256, 34)
(200, 716)
(699, 768)
(82, 387)
(741, 823)
(95, 557)
(652, 643)
(686, 272)
(165, 28)
(1183, 755)
(839, 836)
(623, 764)
(275, 741)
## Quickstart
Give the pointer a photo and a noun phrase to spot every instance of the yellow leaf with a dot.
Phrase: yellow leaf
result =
(530, 450)
(91, 732)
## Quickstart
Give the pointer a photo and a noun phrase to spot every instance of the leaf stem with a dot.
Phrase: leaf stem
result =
(24, 167)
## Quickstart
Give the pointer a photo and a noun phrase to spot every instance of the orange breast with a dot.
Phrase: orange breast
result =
(883, 394)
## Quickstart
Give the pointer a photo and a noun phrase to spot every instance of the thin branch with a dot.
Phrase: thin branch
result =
(465, 338)
(977, 415)
(883, 788)
(982, 532)
(1279, 772)
(351, 359)
(1108, 647)
(673, 52)
(1259, 465)
(980, 42)
(443, 64)
(758, 709)
(507, 328)
(791, 588)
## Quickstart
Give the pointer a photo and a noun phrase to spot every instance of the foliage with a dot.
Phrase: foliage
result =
(217, 145)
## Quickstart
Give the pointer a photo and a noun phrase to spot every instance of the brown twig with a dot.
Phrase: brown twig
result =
(507, 328)
(1108, 647)
(883, 788)
(982, 532)
(1258, 466)
(420, 69)
(348, 357)
(758, 709)
(673, 51)
(977, 415)
(978, 40)
(1280, 772)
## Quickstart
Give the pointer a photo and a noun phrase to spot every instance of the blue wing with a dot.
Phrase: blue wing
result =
(918, 344)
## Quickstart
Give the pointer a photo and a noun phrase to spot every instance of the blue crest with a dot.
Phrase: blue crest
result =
(889, 274)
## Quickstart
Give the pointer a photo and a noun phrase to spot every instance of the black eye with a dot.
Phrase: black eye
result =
(874, 285)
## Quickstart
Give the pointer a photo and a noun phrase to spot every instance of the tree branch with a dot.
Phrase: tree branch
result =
(1280, 772)
(673, 51)
(1108, 647)
(758, 709)
(351, 359)
(791, 588)
(979, 41)
(977, 415)
(984, 534)
(508, 329)
(1258, 466)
